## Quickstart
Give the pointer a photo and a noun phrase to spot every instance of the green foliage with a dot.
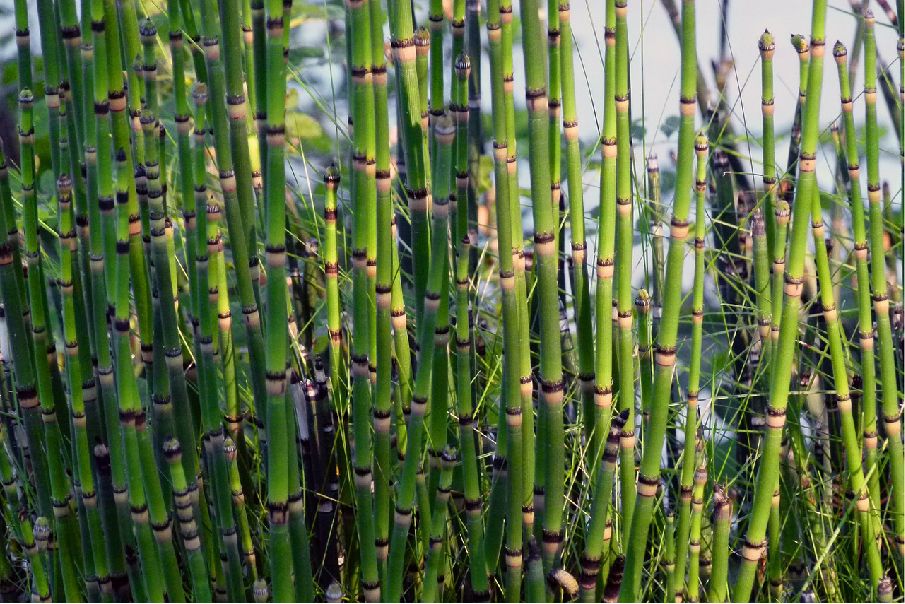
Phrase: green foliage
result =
(309, 380)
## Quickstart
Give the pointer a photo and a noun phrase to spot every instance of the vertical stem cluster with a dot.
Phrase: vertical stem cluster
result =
(785, 346)
(665, 354)
(889, 401)
(546, 267)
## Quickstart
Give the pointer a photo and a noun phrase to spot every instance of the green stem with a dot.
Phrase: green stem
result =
(889, 396)
(768, 470)
(545, 255)
(599, 525)
(665, 355)
(686, 478)
(406, 486)
(464, 373)
(694, 541)
(718, 590)
(363, 184)
(581, 300)
(433, 578)
(606, 250)
(43, 353)
(275, 332)
(623, 265)
(865, 318)
(188, 527)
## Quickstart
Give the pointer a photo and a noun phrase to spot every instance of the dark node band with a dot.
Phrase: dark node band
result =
(138, 509)
(652, 481)
(541, 238)
(549, 387)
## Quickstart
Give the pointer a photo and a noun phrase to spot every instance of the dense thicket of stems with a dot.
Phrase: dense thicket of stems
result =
(890, 402)
(624, 196)
(665, 355)
(581, 301)
(511, 401)
(692, 420)
(603, 303)
(546, 266)
(786, 344)
(153, 449)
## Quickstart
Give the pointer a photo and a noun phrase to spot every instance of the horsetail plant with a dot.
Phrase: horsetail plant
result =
(605, 264)
(779, 391)
(665, 355)
(623, 298)
(511, 403)
(860, 251)
(278, 466)
(767, 47)
(405, 491)
(385, 278)
(465, 405)
(532, 462)
(41, 349)
(718, 590)
(687, 475)
(188, 525)
(580, 290)
(155, 449)
(363, 180)
(550, 422)
(501, 483)
(595, 538)
(889, 400)
(694, 542)
(843, 397)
